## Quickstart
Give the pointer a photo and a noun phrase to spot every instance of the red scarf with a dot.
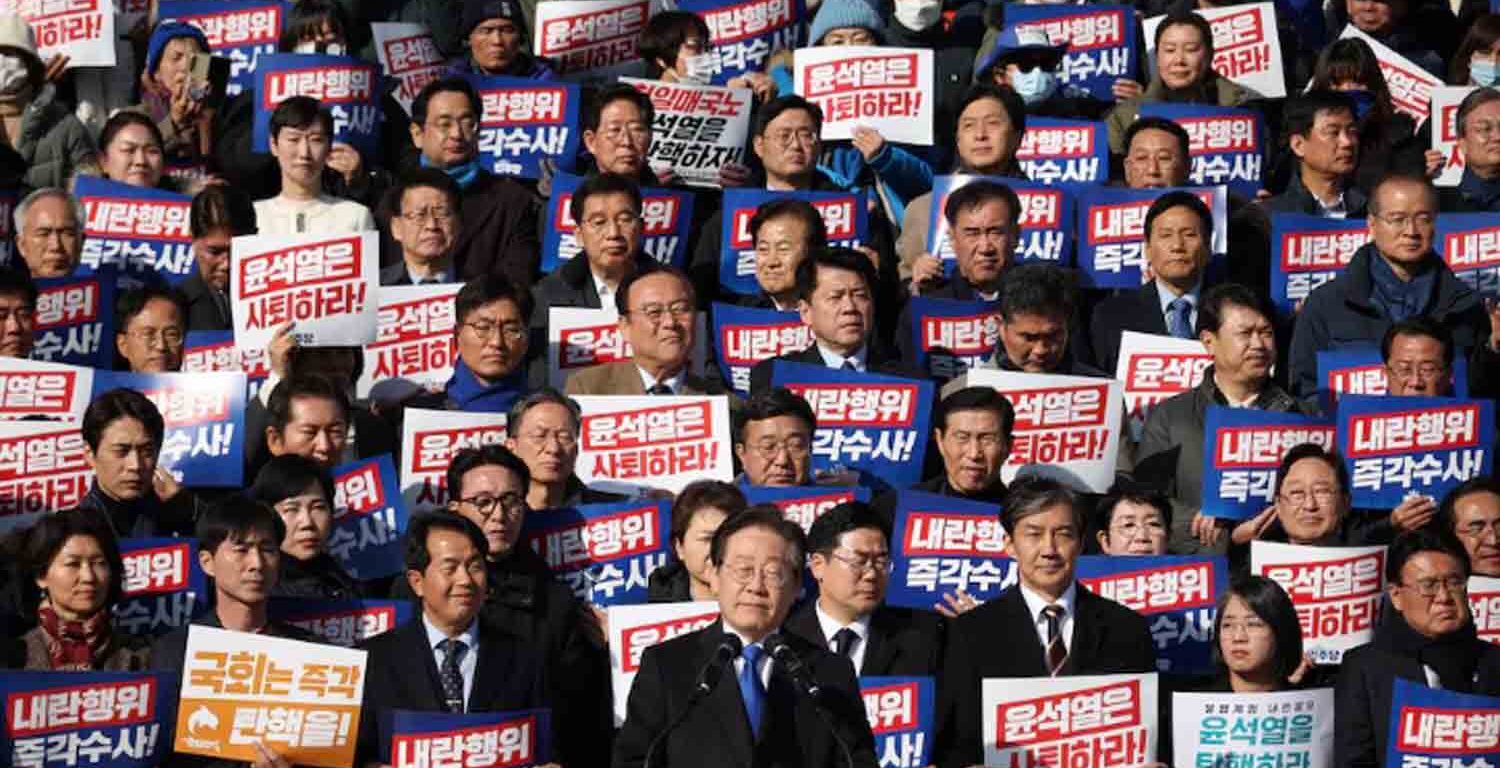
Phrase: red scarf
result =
(74, 645)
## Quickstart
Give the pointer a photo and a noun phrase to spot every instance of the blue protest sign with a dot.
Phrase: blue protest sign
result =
(1242, 448)
(97, 719)
(942, 544)
(344, 623)
(523, 122)
(1227, 145)
(205, 419)
(1112, 236)
(949, 337)
(900, 710)
(1046, 221)
(517, 739)
(215, 351)
(742, 34)
(845, 216)
(369, 518)
(1176, 593)
(142, 232)
(350, 89)
(603, 552)
(744, 336)
(162, 587)
(1397, 446)
(1470, 244)
(239, 30)
(1360, 370)
(1071, 154)
(868, 422)
(1307, 251)
(1101, 42)
(75, 319)
(803, 504)
(666, 224)
(1434, 727)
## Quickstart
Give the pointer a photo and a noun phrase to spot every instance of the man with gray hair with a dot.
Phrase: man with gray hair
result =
(542, 430)
(49, 232)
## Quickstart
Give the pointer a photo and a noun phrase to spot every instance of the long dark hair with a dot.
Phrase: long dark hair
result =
(1268, 601)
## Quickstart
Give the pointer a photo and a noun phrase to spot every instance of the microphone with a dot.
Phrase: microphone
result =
(708, 677)
(787, 659)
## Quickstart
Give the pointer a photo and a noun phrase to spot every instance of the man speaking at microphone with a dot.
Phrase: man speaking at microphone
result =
(739, 692)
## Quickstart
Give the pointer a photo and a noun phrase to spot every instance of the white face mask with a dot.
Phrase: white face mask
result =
(917, 15)
(310, 46)
(14, 76)
(698, 70)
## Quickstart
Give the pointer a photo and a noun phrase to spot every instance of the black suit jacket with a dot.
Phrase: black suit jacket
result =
(1362, 698)
(1138, 310)
(878, 360)
(902, 642)
(716, 731)
(204, 313)
(401, 673)
(999, 639)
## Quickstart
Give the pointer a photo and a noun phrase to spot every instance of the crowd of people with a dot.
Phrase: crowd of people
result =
(496, 631)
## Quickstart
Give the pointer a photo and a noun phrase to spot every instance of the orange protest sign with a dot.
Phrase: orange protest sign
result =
(299, 699)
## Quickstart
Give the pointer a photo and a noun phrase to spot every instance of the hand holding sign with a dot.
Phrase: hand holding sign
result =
(1413, 512)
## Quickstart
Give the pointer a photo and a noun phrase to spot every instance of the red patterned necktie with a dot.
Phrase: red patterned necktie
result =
(1057, 651)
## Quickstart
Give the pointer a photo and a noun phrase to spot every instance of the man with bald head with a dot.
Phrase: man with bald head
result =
(1395, 277)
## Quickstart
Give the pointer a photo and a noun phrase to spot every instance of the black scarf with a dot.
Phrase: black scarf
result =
(1454, 656)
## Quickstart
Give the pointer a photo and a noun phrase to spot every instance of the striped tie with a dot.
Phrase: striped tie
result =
(1057, 651)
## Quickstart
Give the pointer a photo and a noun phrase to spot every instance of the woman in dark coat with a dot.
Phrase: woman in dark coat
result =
(302, 493)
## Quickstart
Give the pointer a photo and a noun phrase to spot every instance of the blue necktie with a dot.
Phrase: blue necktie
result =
(751, 689)
(1180, 318)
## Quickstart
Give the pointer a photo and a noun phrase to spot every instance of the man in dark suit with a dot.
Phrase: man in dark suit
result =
(784, 232)
(426, 216)
(837, 300)
(1179, 228)
(542, 430)
(1046, 625)
(773, 439)
(1038, 304)
(850, 558)
(756, 713)
(217, 216)
(656, 309)
(1478, 191)
(447, 659)
(498, 235)
(1428, 640)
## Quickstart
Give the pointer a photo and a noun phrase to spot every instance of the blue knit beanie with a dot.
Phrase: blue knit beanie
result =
(838, 14)
(166, 32)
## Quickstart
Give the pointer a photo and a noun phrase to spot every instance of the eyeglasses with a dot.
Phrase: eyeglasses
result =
(1132, 529)
(1248, 626)
(655, 313)
(465, 125)
(561, 437)
(167, 337)
(775, 576)
(510, 331)
(1454, 585)
(636, 132)
(512, 504)
(785, 138)
(439, 215)
(859, 563)
(1427, 371)
(1478, 529)
(1398, 221)
(1299, 496)
(626, 222)
(795, 446)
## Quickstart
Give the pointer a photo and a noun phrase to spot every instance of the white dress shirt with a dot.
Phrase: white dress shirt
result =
(673, 382)
(1035, 603)
(467, 662)
(606, 293)
(833, 359)
(1166, 296)
(764, 662)
(860, 627)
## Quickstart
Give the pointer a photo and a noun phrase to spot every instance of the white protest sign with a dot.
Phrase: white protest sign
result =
(415, 345)
(32, 389)
(1411, 86)
(1284, 728)
(42, 467)
(325, 285)
(634, 628)
(1336, 591)
(1445, 101)
(590, 37)
(429, 439)
(82, 30)
(1484, 602)
(1090, 721)
(409, 57)
(698, 128)
(579, 338)
(630, 444)
(1067, 427)
(1247, 50)
(1153, 368)
(888, 89)
(300, 699)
